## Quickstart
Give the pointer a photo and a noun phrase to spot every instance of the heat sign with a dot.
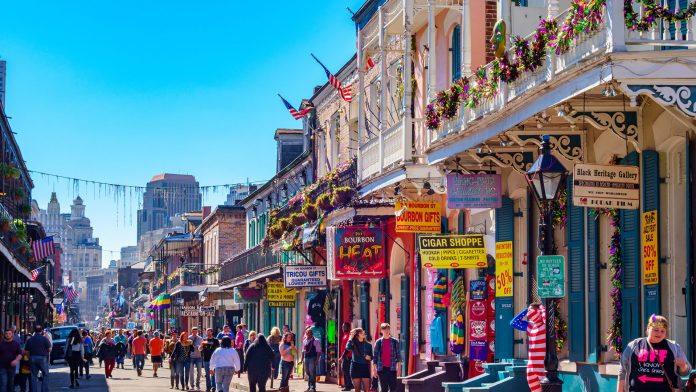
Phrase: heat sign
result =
(359, 253)
(453, 251)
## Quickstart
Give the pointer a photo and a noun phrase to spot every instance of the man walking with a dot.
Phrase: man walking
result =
(207, 348)
(120, 339)
(387, 354)
(196, 358)
(39, 348)
(156, 345)
(10, 355)
(138, 349)
(311, 348)
(170, 345)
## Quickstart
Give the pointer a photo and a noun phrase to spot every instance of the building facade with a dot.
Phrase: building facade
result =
(165, 196)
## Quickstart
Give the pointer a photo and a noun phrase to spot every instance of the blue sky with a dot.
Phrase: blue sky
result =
(121, 90)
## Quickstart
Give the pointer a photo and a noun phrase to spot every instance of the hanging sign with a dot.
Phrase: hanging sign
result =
(417, 217)
(280, 297)
(331, 252)
(650, 249)
(359, 253)
(304, 276)
(550, 276)
(503, 269)
(453, 251)
(310, 235)
(606, 186)
(207, 310)
(474, 191)
(189, 311)
(246, 296)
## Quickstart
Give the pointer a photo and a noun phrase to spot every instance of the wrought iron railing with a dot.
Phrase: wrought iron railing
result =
(250, 261)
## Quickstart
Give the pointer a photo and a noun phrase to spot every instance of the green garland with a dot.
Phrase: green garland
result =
(652, 13)
(560, 326)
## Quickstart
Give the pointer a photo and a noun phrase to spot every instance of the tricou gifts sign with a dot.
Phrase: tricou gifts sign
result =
(304, 275)
(359, 253)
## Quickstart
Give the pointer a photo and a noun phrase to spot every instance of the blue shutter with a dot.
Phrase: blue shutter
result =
(456, 53)
(593, 332)
(575, 232)
(688, 280)
(630, 249)
(651, 201)
(504, 231)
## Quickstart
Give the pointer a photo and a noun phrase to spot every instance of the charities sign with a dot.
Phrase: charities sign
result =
(606, 186)
(474, 191)
(453, 251)
(359, 253)
(280, 297)
(304, 276)
(417, 217)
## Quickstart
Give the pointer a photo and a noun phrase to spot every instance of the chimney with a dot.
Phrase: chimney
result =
(290, 144)
(206, 212)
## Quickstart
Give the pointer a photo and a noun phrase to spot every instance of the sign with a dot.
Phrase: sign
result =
(478, 350)
(503, 269)
(179, 301)
(650, 248)
(280, 297)
(477, 288)
(359, 253)
(417, 217)
(57, 301)
(189, 311)
(453, 251)
(206, 311)
(310, 235)
(304, 276)
(246, 296)
(474, 191)
(331, 252)
(550, 276)
(606, 186)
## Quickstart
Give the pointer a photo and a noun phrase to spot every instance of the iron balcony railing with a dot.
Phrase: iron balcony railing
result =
(251, 261)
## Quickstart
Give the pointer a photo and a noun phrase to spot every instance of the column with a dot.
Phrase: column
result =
(361, 101)
(431, 52)
(466, 38)
(406, 104)
(383, 88)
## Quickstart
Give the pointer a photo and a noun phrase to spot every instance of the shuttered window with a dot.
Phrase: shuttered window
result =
(593, 335)
(504, 231)
(630, 250)
(456, 51)
(575, 232)
(651, 201)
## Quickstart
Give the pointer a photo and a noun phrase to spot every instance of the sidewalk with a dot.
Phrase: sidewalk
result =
(297, 384)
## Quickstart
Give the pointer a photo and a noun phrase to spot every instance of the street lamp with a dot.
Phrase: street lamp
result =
(544, 178)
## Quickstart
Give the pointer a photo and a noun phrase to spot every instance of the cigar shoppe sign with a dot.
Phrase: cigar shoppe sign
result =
(453, 251)
(359, 253)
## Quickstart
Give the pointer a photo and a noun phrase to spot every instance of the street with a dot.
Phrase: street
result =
(123, 379)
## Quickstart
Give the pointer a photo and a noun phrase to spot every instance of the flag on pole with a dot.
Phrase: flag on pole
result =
(345, 91)
(369, 64)
(70, 293)
(294, 113)
(43, 248)
(35, 273)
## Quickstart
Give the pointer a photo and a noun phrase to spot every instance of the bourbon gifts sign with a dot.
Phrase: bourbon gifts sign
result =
(359, 253)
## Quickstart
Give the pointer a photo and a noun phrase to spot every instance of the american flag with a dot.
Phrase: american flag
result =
(43, 248)
(345, 91)
(70, 293)
(294, 113)
(35, 273)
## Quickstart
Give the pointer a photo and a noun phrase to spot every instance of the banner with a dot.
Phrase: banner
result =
(474, 191)
(550, 276)
(503, 269)
(246, 296)
(453, 251)
(280, 297)
(417, 217)
(304, 276)
(359, 253)
(606, 186)
(650, 249)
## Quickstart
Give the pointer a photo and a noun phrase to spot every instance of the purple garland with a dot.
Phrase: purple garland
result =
(652, 13)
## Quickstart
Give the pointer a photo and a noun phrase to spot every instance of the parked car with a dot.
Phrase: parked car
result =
(58, 336)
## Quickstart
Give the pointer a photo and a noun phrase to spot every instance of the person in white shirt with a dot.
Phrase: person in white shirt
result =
(224, 363)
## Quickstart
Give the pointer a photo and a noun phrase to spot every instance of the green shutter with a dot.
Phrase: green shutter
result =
(405, 324)
(630, 250)
(266, 316)
(593, 333)
(504, 231)
(456, 53)
(575, 232)
(651, 201)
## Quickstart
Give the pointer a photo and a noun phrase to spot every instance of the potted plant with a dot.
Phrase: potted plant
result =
(10, 172)
(12, 236)
(25, 209)
(19, 229)
(284, 224)
(24, 247)
(297, 219)
(275, 231)
(324, 201)
(310, 212)
(4, 223)
(342, 195)
(18, 194)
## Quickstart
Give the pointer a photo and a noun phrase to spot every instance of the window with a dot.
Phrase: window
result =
(335, 143)
(456, 51)
(522, 3)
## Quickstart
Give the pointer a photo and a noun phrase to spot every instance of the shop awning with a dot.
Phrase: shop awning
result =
(251, 278)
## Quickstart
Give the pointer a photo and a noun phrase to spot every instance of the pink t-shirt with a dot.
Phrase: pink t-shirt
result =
(239, 341)
(386, 353)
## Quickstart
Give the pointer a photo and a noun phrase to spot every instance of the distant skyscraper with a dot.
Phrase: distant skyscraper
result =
(239, 193)
(129, 256)
(3, 76)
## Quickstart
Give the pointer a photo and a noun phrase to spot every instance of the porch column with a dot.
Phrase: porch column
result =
(466, 39)
(616, 26)
(382, 109)
(407, 76)
(551, 63)
(431, 52)
(361, 101)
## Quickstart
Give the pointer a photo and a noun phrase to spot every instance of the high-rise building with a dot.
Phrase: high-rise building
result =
(239, 193)
(75, 234)
(129, 256)
(167, 195)
(3, 75)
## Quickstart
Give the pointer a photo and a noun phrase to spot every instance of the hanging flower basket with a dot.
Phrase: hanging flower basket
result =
(324, 201)
(310, 212)
(342, 195)
(284, 224)
(9, 172)
(276, 232)
(13, 237)
(18, 194)
(298, 219)
(4, 224)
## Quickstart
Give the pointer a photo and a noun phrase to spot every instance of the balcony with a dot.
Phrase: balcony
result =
(187, 278)
(252, 261)
(611, 36)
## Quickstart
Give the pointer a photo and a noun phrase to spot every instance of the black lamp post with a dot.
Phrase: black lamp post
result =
(545, 177)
